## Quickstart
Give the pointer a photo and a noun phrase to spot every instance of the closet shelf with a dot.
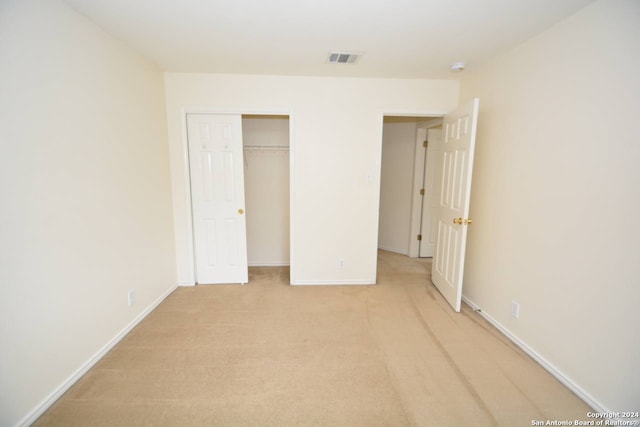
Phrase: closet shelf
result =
(266, 147)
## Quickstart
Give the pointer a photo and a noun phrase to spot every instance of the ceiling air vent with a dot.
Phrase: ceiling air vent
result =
(343, 57)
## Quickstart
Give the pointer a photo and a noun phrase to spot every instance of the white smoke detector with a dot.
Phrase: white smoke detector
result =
(456, 67)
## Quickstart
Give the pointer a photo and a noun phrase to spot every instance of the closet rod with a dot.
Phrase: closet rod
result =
(267, 147)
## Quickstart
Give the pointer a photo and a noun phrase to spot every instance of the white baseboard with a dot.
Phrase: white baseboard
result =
(333, 282)
(269, 264)
(186, 284)
(35, 413)
(558, 374)
(395, 250)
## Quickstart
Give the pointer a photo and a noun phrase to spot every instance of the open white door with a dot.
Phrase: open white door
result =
(453, 183)
(217, 197)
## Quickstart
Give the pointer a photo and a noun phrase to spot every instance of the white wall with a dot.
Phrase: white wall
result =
(396, 185)
(86, 207)
(336, 141)
(266, 190)
(555, 197)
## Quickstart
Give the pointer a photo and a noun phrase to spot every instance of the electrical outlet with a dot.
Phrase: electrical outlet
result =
(515, 309)
(341, 263)
(131, 297)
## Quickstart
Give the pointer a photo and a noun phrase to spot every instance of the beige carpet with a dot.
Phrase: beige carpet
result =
(270, 354)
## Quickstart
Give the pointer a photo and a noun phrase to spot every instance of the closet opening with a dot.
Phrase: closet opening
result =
(266, 189)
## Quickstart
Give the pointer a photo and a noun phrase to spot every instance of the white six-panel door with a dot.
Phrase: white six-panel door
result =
(217, 197)
(454, 190)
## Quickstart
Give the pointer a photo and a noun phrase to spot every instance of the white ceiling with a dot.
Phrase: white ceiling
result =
(399, 38)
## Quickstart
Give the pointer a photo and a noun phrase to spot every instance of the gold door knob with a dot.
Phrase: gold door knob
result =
(240, 211)
(461, 221)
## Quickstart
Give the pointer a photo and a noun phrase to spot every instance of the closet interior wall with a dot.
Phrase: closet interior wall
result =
(266, 175)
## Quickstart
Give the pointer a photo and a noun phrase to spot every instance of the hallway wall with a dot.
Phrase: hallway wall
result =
(396, 185)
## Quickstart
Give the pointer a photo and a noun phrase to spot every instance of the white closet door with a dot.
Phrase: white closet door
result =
(217, 195)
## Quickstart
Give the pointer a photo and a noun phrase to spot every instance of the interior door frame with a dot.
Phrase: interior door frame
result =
(435, 114)
(422, 129)
(184, 111)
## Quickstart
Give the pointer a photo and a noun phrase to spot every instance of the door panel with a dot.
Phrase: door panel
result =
(217, 195)
(452, 213)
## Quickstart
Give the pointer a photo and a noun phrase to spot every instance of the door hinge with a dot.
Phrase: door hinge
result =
(419, 236)
(422, 192)
(425, 144)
